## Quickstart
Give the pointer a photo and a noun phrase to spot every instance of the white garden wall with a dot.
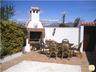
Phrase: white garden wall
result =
(71, 33)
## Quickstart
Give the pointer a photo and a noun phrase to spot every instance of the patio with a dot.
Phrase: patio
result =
(34, 56)
(34, 66)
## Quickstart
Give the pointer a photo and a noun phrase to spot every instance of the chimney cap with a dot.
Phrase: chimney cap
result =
(35, 8)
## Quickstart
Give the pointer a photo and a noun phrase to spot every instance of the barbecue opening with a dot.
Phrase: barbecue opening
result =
(35, 36)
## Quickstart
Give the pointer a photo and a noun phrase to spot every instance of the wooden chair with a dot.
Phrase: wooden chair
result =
(76, 49)
(41, 44)
(53, 49)
(59, 47)
(65, 47)
(51, 45)
(44, 46)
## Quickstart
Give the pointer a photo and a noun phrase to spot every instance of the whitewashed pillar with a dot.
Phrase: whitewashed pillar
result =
(81, 37)
(27, 48)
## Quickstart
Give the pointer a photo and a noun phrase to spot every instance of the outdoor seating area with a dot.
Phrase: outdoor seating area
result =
(48, 36)
(62, 50)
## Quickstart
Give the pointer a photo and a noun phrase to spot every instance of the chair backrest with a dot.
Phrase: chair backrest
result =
(51, 45)
(47, 42)
(65, 44)
(65, 41)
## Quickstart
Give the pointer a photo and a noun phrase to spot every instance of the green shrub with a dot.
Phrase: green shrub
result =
(12, 37)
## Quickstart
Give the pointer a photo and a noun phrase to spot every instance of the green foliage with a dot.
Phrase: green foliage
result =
(63, 16)
(63, 25)
(94, 20)
(12, 37)
(6, 11)
(76, 22)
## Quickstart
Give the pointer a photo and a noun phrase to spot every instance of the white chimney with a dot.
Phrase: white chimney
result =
(35, 11)
(35, 21)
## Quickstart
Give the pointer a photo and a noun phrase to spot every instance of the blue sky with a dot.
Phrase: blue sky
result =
(52, 10)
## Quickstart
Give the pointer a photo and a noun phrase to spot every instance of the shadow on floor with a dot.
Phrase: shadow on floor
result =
(91, 56)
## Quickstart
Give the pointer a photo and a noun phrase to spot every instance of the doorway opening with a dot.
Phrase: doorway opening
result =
(89, 38)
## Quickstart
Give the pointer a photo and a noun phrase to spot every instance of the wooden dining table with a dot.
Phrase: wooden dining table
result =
(60, 48)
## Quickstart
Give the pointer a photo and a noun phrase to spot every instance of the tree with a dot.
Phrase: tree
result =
(63, 25)
(63, 17)
(76, 22)
(95, 20)
(12, 34)
(6, 11)
(12, 37)
(63, 22)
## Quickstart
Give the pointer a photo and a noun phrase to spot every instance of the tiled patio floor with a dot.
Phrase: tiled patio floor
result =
(34, 66)
(34, 56)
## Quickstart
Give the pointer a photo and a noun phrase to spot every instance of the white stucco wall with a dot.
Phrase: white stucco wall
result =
(70, 33)
(35, 24)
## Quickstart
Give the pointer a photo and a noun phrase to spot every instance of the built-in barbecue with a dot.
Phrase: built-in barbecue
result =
(35, 28)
